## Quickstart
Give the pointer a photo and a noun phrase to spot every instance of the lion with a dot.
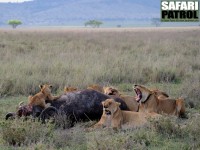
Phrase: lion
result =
(95, 87)
(112, 91)
(69, 89)
(160, 94)
(149, 102)
(129, 100)
(114, 117)
(44, 94)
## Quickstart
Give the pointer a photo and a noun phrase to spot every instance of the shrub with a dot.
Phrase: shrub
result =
(193, 132)
(72, 138)
(21, 132)
(190, 91)
(167, 126)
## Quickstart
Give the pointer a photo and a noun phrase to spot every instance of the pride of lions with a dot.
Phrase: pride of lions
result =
(146, 104)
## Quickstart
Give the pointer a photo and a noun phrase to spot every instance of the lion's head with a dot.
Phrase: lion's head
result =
(110, 106)
(45, 89)
(70, 89)
(110, 91)
(142, 93)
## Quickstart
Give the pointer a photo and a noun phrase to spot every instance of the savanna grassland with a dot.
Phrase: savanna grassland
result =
(163, 58)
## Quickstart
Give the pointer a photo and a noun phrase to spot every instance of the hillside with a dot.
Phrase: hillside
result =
(75, 12)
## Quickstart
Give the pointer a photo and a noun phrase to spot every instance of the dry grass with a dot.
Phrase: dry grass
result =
(166, 58)
(80, 58)
(105, 56)
(167, 133)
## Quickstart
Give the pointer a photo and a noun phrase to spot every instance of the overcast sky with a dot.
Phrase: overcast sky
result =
(13, 1)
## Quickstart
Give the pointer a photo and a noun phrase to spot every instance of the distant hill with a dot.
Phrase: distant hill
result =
(76, 12)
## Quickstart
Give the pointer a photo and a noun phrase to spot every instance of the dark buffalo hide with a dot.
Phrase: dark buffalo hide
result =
(77, 106)
(83, 105)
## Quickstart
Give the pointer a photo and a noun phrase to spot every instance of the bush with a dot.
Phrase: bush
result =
(21, 132)
(74, 138)
(190, 91)
(193, 132)
(167, 126)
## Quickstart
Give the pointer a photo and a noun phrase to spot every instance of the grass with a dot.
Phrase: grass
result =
(61, 58)
(164, 58)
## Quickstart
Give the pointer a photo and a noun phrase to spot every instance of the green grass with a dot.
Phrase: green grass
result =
(167, 59)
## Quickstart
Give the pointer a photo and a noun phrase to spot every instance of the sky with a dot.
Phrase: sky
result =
(14, 1)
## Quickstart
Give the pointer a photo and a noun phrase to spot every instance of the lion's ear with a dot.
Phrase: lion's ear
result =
(40, 86)
(118, 103)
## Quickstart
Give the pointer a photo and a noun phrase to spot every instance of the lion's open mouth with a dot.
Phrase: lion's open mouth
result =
(111, 93)
(108, 112)
(139, 94)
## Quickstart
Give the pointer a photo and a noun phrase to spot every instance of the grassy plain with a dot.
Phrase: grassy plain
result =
(164, 58)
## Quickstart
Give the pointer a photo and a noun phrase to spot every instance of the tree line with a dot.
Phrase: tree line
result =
(91, 23)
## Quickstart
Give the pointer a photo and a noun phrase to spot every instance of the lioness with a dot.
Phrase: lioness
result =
(44, 94)
(112, 91)
(69, 89)
(129, 100)
(114, 117)
(160, 94)
(95, 87)
(150, 103)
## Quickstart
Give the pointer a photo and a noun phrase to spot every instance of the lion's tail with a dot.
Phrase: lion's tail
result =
(180, 107)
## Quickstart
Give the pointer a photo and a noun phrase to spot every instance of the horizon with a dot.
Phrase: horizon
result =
(14, 1)
(65, 13)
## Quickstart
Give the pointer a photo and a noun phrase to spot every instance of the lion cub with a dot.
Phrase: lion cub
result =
(44, 94)
(114, 117)
(69, 89)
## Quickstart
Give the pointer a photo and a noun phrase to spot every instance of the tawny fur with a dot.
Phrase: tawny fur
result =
(69, 89)
(95, 87)
(129, 100)
(151, 103)
(117, 117)
(44, 94)
(160, 94)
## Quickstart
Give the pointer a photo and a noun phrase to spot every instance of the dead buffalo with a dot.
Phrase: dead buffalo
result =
(80, 106)
(77, 106)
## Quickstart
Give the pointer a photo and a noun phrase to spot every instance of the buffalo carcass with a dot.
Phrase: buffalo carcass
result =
(80, 106)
